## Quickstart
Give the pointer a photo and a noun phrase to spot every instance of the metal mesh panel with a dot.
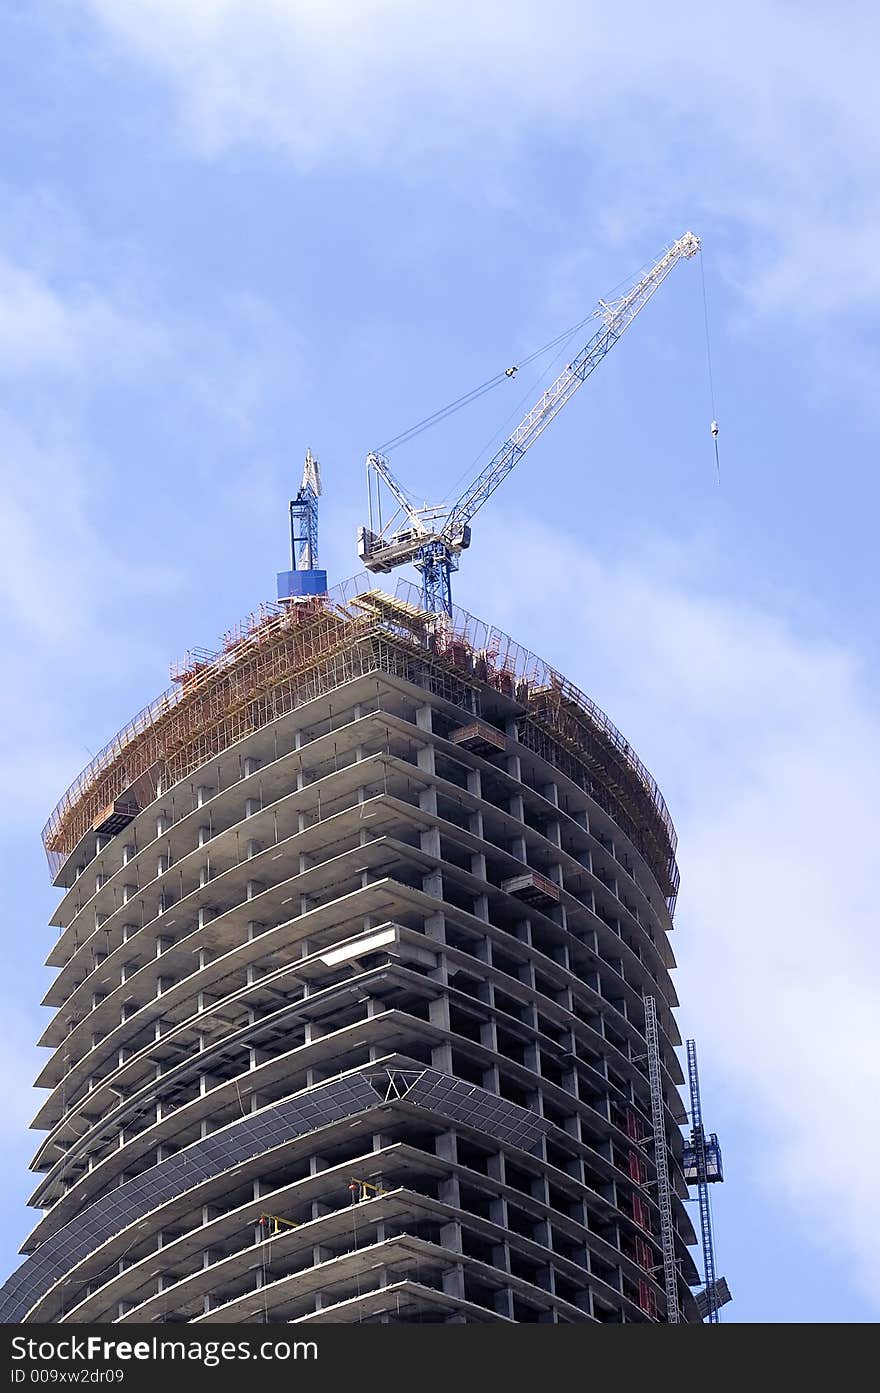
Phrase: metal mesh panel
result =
(453, 1099)
(201, 1161)
(473, 1106)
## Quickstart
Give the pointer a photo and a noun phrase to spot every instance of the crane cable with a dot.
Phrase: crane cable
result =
(714, 425)
(517, 410)
(441, 414)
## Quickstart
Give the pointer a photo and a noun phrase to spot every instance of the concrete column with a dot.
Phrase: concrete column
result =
(429, 842)
(503, 1302)
(481, 908)
(450, 1234)
(453, 1281)
(439, 1014)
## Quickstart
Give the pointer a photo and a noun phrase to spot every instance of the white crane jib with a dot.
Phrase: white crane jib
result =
(432, 537)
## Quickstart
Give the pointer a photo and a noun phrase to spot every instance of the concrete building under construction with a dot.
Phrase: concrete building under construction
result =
(362, 966)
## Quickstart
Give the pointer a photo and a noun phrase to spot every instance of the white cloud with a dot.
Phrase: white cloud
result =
(96, 335)
(766, 740)
(757, 121)
(81, 331)
(36, 328)
(77, 324)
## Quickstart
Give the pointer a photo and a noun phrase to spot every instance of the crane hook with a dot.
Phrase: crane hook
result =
(511, 372)
(714, 429)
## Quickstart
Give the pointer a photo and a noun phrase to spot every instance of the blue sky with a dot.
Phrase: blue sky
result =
(234, 228)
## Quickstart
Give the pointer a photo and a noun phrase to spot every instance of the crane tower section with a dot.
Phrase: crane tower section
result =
(304, 578)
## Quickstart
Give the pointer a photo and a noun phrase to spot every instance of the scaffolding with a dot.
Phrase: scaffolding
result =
(280, 657)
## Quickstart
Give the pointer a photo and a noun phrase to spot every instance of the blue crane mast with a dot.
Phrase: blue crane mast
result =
(432, 537)
(304, 578)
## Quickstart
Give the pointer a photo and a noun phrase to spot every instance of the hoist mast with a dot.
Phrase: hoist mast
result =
(702, 1167)
(432, 537)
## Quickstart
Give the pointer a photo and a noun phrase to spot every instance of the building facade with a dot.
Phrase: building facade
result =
(356, 931)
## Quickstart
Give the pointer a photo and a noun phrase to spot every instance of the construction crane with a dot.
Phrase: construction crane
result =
(432, 537)
(304, 578)
(702, 1167)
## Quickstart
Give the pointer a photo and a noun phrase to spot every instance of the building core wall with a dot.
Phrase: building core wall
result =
(349, 1017)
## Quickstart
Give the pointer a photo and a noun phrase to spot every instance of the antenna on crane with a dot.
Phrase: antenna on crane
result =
(702, 1167)
(433, 537)
(304, 578)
